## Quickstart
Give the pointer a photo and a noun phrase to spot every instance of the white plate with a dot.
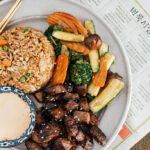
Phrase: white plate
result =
(33, 13)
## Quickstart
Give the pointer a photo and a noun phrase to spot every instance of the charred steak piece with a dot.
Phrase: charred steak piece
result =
(53, 98)
(32, 145)
(57, 113)
(71, 105)
(69, 121)
(81, 89)
(39, 96)
(73, 96)
(69, 86)
(39, 118)
(74, 146)
(82, 116)
(98, 135)
(56, 89)
(94, 120)
(87, 143)
(50, 105)
(50, 132)
(72, 130)
(80, 136)
(84, 104)
(36, 137)
(63, 144)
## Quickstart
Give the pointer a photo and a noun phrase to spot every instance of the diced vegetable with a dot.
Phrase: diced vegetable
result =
(99, 78)
(6, 62)
(81, 72)
(94, 60)
(94, 90)
(57, 28)
(103, 49)
(66, 36)
(22, 79)
(75, 21)
(5, 48)
(64, 50)
(74, 55)
(109, 59)
(3, 42)
(29, 75)
(60, 72)
(78, 47)
(111, 91)
(89, 25)
(26, 30)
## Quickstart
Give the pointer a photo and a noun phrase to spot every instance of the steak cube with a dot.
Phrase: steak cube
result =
(82, 116)
(69, 121)
(57, 113)
(39, 96)
(39, 118)
(32, 145)
(73, 96)
(84, 104)
(71, 105)
(72, 130)
(81, 89)
(94, 120)
(62, 144)
(49, 132)
(56, 89)
(80, 136)
(98, 135)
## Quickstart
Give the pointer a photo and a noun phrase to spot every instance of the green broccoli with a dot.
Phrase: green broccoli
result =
(81, 72)
(57, 28)
(55, 42)
(74, 55)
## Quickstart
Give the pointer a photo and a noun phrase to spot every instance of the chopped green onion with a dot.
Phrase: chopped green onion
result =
(5, 48)
(39, 40)
(26, 30)
(29, 75)
(22, 79)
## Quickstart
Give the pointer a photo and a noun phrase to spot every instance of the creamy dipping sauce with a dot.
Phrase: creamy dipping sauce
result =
(14, 116)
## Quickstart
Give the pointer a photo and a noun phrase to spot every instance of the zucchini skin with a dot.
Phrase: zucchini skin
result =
(66, 36)
(89, 25)
(113, 88)
(94, 60)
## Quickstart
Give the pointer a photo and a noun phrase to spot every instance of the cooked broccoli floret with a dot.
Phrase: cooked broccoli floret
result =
(55, 42)
(81, 72)
(58, 28)
(74, 55)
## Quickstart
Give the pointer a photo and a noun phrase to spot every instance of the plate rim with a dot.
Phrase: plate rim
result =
(128, 67)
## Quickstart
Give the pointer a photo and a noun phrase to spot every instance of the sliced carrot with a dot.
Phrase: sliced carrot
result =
(6, 62)
(77, 23)
(64, 22)
(60, 72)
(3, 42)
(78, 47)
(99, 78)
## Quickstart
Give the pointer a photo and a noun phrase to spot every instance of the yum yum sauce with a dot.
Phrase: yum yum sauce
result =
(14, 116)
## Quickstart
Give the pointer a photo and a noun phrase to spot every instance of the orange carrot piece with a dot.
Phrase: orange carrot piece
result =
(78, 47)
(64, 22)
(3, 42)
(60, 72)
(6, 62)
(77, 23)
(99, 78)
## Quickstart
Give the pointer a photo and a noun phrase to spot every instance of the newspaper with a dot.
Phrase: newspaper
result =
(130, 19)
